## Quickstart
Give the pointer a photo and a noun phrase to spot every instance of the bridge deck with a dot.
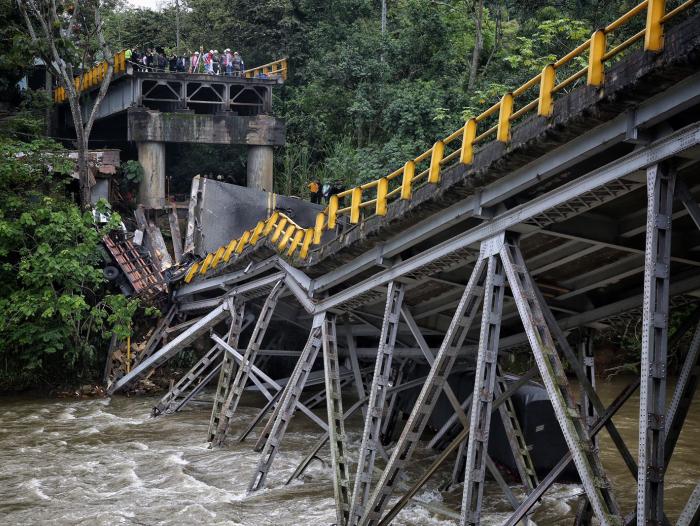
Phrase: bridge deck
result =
(590, 253)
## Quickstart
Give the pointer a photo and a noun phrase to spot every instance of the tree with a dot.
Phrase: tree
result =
(66, 35)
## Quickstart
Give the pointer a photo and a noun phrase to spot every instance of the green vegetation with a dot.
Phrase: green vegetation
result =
(360, 102)
(56, 313)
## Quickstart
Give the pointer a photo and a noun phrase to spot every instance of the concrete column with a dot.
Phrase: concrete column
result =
(152, 187)
(260, 168)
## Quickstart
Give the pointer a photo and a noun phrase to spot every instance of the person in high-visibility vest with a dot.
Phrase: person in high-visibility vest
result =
(315, 191)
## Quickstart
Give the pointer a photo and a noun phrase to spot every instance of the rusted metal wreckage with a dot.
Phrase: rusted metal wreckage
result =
(575, 220)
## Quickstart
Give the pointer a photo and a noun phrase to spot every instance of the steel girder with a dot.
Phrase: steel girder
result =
(287, 404)
(482, 397)
(652, 392)
(234, 393)
(377, 399)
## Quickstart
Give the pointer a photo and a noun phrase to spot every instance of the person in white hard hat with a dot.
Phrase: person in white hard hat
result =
(208, 62)
(238, 65)
(228, 62)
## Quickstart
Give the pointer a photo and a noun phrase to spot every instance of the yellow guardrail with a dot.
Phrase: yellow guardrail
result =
(93, 77)
(276, 68)
(279, 229)
(373, 198)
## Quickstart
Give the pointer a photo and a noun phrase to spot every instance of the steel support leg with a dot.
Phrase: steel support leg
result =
(482, 397)
(288, 404)
(336, 425)
(575, 433)
(652, 390)
(227, 366)
(690, 516)
(686, 387)
(552, 476)
(377, 398)
(456, 442)
(235, 393)
(586, 358)
(187, 383)
(417, 420)
(516, 438)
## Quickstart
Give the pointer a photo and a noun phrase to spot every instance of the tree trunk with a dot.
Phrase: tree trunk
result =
(478, 44)
(84, 173)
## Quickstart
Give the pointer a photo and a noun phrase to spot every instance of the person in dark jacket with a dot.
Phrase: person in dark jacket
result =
(172, 63)
(238, 65)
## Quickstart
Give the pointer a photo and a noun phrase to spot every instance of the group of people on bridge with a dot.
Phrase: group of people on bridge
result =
(211, 62)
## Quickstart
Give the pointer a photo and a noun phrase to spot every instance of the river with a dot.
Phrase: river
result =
(106, 461)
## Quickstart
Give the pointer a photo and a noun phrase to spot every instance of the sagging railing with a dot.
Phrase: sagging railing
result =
(279, 228)
(372, 198)
(93, 77)
(278, 68)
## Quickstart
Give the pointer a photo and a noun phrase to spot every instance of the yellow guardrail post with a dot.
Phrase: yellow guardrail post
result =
(270, 223)
(242, 242)
(596, 68)
(504, 113)
(409, 170)
(217, 256)
(355, 201)
(256, 232)
(206, 263)
(545, 102)
(229, 250)
(191, 272)
(318, 228)
(382, 190)
(466, 155)
(298, 235)
(308, 238)
(285, 238)
(333, 206)
(278, 231)
(435, 158)
(654, 34)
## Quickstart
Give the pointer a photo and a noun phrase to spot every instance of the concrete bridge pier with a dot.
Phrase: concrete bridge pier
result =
(259, 168)
(152, 187)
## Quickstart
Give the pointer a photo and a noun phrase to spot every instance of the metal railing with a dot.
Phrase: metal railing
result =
(93, 77)
(276, 68)
(372, 198)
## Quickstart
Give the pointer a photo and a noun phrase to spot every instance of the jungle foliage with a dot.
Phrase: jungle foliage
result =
(56, 312)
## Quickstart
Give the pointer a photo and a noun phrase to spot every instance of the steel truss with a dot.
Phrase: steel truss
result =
(287, 404)
(233, 396)
(652, 391)
(377, 399)
(226, 371)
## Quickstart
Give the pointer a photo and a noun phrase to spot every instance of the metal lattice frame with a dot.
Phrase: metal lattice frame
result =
(652, 391)
(288, 404)
(482, 397)
(377, 399)
(230, 405)
(336, 420)
(417, 420)
(227, 367)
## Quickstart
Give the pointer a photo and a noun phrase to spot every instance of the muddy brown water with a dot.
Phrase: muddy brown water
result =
(106, 461)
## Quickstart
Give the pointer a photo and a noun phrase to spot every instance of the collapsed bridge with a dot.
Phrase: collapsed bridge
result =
(562, 210)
